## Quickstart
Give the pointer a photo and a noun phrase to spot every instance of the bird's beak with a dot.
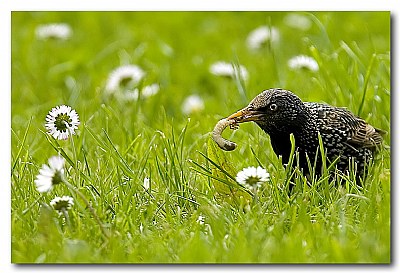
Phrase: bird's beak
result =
(245, 115)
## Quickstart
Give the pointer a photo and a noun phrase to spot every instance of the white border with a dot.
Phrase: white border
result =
(5, 135)
(203, 5)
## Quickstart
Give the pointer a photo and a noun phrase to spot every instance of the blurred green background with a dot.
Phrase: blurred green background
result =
(176, 49)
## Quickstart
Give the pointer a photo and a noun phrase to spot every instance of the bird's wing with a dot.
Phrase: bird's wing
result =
(366, 135)
(361, 134)
(339, 119)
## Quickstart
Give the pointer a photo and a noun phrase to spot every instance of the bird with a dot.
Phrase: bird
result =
(345, 136)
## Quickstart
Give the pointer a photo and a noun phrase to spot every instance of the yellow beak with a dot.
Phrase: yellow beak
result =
(245, 115)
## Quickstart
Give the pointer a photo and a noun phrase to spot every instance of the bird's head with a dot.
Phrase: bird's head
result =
(274, 110)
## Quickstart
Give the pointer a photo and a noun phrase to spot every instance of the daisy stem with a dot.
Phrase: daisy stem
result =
(96, 217)
(65, 214)
(255, 198)
(73, 148)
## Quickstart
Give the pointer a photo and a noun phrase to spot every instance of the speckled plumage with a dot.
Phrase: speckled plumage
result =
(280, 113)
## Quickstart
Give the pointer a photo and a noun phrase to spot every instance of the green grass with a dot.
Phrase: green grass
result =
(120, 143)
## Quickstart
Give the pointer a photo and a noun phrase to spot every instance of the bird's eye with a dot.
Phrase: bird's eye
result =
(273, 107)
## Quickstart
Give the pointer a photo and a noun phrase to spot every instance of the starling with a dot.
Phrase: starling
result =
(345, 137)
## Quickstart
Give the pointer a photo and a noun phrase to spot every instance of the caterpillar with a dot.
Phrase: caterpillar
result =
(217, 134)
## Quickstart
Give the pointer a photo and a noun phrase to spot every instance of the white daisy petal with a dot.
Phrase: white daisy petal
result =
(252, 177)
(146, 183)
(132, 95)
(303, 62)
(43, 183)
(200, 220)
(150, 90)
(224, 69)
(56, 134)
(56, 163)
(62, 203)
(62, 121)
(192, 104)
(261, 36)
(60, 31)
(298, 21)
(127, 77)
(64, 109)
(63, 136)
(51, 174)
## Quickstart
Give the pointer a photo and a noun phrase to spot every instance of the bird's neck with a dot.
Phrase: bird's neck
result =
(301, 124)
(281, 145)
(305, 134)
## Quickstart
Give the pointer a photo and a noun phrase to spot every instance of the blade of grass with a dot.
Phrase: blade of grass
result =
(366, 80)
(21, 145)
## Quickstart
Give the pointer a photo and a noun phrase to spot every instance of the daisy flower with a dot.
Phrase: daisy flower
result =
(131, 95)
(62, 204)
(298, 21)
(59, 31)
(260, 36)
(125, 77)
(252, 177)
(51, 174)
(147, 91)
(146, 183)
(224, 69)
(200, 220)
(62, 121)
(303, 61)
(150, 90)
(192, 104)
